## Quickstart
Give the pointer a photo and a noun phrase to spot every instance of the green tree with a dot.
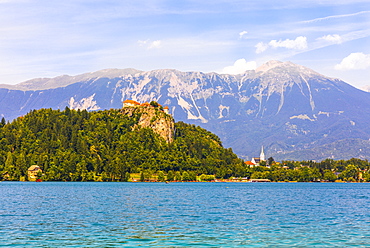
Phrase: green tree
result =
(329, 176)
(154, 104)
(270, 161)
(142, 176)
(186, 176)
(22, 165)
(3, 122)
(127, 177)
(10, 172)
(178, 176)
(170, 176)
(161, 176)
(351, 171)
(192, 176)
(204, 177)
(366, 176)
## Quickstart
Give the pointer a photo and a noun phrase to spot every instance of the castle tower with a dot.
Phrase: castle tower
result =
(262, 155)
(165, 109)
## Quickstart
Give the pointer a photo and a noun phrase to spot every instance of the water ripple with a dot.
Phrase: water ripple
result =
(55, 214)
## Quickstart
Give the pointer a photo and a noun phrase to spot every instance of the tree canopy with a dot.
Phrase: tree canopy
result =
(74, 145)
(108, 145)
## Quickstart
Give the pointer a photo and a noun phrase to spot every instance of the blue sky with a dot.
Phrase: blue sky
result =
(52, 38)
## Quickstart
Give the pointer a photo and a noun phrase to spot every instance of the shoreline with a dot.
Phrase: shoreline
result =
(168, 182)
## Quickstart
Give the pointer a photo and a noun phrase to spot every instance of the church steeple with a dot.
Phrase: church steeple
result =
(262, 155)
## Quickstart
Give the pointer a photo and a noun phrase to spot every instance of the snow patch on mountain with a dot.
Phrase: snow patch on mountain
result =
(302, 117)
(295, 129)
(324, 113)
(87, 103)
(312, 103)
(222, 108)
(187, 108)
(182, 103)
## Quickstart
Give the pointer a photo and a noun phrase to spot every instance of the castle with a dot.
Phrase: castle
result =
(132, 103)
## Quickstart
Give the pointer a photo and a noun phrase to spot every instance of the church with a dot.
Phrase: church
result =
(257, 160)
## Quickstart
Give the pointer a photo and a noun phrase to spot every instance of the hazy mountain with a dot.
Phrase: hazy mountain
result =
(294, 112)
(65, 80)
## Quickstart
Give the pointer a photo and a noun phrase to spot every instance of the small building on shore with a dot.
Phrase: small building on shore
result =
(249, 163)
(33, 171)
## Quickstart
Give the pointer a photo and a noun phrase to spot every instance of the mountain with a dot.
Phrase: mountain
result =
(293, 111)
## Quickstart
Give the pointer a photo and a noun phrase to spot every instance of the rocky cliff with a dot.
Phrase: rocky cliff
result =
(154, 118)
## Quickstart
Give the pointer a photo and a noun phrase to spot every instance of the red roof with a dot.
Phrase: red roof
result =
(131, 101)
(249, 163)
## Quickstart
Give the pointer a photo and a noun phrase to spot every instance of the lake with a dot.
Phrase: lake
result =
(84, 214)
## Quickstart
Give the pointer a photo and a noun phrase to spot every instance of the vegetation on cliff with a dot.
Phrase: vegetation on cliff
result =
(108, 145)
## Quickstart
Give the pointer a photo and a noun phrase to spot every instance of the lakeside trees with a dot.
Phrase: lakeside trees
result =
(104, 145)
(78, 145)
(353, 170)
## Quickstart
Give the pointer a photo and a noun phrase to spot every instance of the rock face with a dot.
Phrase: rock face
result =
(293, 111)
(161, 123)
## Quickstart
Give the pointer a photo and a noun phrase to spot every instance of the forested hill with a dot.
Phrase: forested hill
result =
(107, 145)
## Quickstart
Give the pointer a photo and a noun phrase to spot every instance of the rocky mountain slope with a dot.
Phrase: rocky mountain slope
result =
(294, 112)
(160, 122)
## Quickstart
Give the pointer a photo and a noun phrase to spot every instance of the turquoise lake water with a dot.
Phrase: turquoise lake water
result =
(66, 214)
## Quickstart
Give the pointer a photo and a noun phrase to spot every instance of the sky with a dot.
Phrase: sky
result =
(41, 39)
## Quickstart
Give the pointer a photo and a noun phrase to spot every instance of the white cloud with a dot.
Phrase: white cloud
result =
(332, 38)
(261, 47)
(142, 42)
(155, 44)
(241, 34)
(354, 61)
(300, 43)
(337, 16)
(240, 66)
(150, 44)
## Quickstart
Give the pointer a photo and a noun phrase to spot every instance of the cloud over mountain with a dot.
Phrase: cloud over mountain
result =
(354, 61)
(300, 43)
(239, 67)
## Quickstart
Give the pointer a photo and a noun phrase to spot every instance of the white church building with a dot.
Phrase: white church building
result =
(256, 160)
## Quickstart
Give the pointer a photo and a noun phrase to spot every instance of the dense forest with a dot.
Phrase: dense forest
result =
(74, 145)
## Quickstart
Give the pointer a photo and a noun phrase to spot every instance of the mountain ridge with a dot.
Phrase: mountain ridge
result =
(65, 80)
(287, 108)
